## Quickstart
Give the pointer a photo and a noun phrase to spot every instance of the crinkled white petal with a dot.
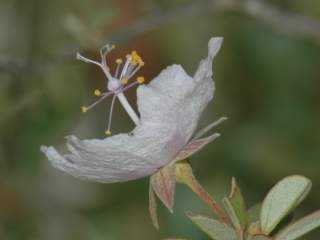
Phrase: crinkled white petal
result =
(170, 107)
(176, 99)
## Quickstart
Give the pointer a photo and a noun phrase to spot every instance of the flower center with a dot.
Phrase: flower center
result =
(118, 83)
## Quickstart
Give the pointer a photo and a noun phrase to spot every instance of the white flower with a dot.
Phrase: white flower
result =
(170, 107)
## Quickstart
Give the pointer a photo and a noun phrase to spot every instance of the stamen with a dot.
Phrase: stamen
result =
(118, 62)
(140, 79)
(104, 96)
(108, 132)
(124, 69)
(124, 81)
(97, 92)
(129, 69)
(136, 59)
(130, 86)
(134, 71)
(141, 63)
(84, 109)
(132, 65)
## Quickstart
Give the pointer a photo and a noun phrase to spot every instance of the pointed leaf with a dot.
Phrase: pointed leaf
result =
(153, 207)
(231, 213)
(300, 227)
(194, 146)
(215, 229)
(163, 183)
(233, 217)
(235, 207)
(281, 200)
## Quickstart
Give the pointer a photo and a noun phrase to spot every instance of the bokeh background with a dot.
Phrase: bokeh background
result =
(267, 81)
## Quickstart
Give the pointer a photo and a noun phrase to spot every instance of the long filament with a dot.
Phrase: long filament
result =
(104, 96)
(125, 67)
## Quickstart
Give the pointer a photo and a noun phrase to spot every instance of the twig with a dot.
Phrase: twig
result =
(284, 21)
(265, 12)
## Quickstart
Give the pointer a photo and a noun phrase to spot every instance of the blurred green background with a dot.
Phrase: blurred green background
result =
(267, 83)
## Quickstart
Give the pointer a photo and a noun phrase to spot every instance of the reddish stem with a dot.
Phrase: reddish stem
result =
(204, 195)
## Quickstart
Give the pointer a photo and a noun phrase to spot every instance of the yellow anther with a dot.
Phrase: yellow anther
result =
(97, 92)
(140, 62)
(108, 132)
(134, 54)
(84, 109)
(140, 80)
(124, 81)
(133, 60)
(119, 61)
(136, 59)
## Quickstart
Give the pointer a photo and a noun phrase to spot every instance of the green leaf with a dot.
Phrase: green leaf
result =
(281, 200)
(300, 227)
(235, 207)
(231, 213)
(163, 183)
(215, 229)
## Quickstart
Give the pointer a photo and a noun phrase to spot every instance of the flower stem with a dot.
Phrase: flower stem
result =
(184, 174)
(197, 188)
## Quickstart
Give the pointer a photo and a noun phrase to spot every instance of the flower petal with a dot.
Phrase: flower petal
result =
(204, 71)
(118, 158)
(203, 76)
(161, 101)
(70, 164)
(173, 100)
